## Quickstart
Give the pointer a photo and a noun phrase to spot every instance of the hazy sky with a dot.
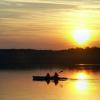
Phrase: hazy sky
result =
(47, 24)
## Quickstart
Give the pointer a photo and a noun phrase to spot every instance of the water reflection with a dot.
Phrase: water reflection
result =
(81, 85)
(18, 85)
(79, 82)
(81, 76)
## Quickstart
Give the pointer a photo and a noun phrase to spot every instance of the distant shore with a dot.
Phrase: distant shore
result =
(29, 58)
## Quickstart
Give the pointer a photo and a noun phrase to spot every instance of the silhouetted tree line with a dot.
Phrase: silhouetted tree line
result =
(29, 58)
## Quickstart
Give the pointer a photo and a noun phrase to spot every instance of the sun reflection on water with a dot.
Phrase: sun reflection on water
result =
(81, 85)
(82, 76)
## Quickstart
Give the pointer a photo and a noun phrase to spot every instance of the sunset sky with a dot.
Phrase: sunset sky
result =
(49, 24)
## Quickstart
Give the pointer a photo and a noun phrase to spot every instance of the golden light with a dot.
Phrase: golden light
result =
(82, 82)
(81, 85)
(81, 36)
(81, 76)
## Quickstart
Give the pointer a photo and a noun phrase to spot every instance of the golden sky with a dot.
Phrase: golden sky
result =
(48, 24)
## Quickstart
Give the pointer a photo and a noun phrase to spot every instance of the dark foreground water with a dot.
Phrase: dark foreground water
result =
(18, 85)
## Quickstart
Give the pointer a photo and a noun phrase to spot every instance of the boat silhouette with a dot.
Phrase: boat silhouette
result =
(49, 78)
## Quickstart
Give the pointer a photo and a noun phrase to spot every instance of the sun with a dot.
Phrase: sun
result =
(81, 36)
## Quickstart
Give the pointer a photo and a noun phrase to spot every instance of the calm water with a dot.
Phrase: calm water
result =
(18, 85)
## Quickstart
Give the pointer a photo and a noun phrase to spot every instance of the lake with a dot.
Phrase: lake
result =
(18, 85)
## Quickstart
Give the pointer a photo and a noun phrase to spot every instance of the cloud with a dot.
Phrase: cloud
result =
(35, 5)
(91, 7)
(10, 9)
(10, 14)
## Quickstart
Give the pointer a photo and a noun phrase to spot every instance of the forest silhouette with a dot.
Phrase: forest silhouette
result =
(31, 58)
